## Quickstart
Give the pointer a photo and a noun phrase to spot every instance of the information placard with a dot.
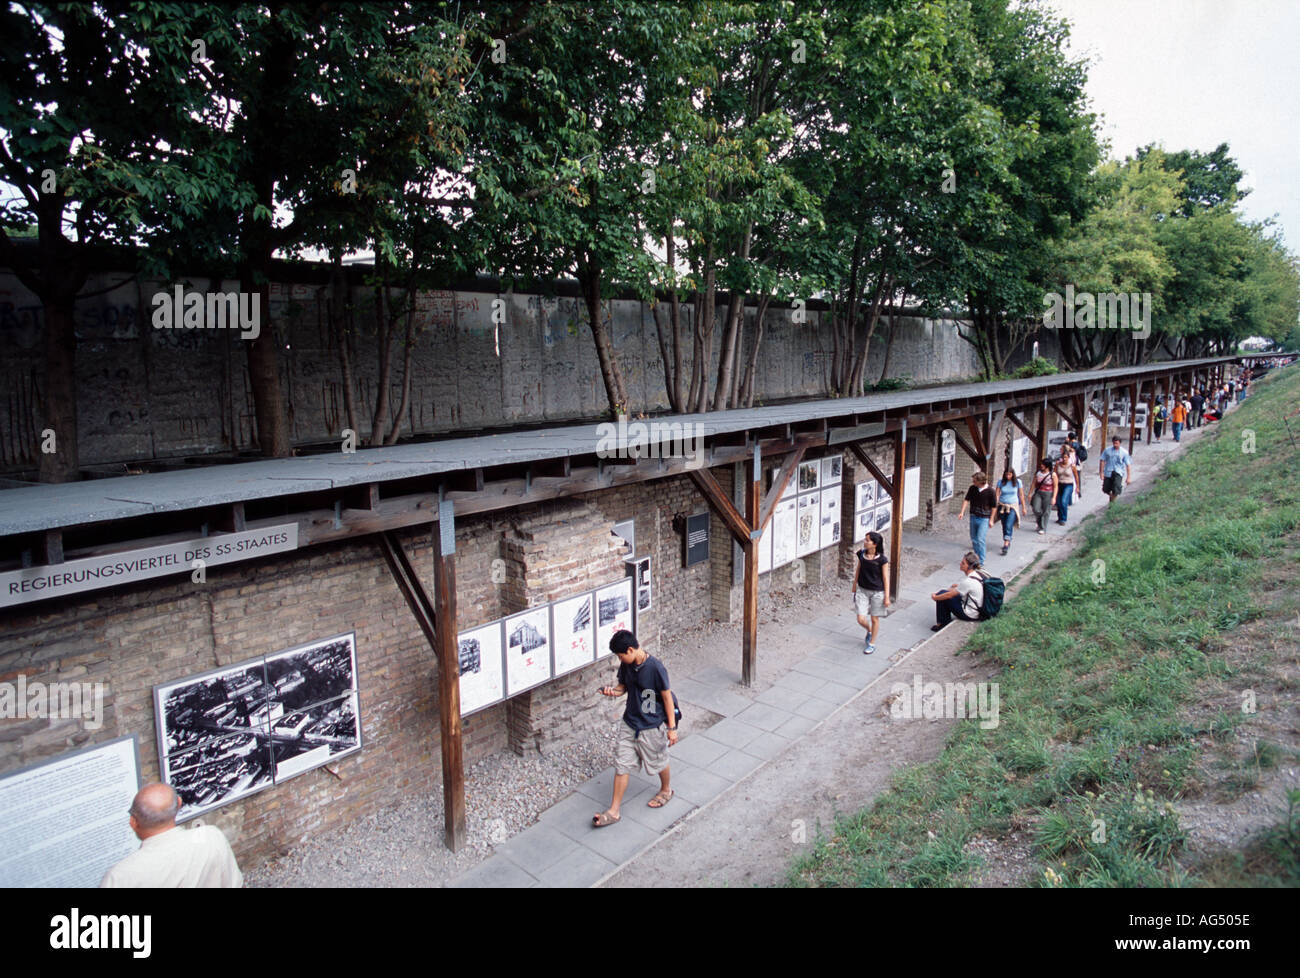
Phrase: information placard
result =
(63, 823)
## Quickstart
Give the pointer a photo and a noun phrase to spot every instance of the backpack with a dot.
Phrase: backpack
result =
(994, 592)
(1080, 452)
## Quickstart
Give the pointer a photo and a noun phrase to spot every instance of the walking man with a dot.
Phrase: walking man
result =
(982, 500)
(642, 739)
(1116, 468)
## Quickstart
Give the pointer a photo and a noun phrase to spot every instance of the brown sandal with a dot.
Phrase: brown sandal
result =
(603, 819)
(666, 796)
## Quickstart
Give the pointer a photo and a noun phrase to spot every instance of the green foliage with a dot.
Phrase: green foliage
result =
(1037, 367)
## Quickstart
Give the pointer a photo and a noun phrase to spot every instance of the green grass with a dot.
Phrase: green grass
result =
(1105, 658)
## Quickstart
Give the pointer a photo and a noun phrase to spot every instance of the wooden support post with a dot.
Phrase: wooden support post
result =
(896, 523)
(1151, 408)
(753, 502)
(1105, 423)
(1042, 433)
(1133, 418)
(453, 757)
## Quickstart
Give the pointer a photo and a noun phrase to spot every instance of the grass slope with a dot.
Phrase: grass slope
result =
(1120, 679)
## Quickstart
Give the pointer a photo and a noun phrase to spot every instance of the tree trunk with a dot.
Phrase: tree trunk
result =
(889, 346)
(263, 359)
(60, 409)
(408, 351)
(341, 325)
(589, 279)
(751, 367)
(384, 348)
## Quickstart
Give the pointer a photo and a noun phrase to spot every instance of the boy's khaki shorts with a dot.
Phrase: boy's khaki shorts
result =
(649, 750)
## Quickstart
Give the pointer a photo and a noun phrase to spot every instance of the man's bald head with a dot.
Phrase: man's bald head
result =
(154, 809)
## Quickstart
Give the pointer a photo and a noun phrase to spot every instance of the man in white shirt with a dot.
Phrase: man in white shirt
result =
(964, 599)
(171, 857)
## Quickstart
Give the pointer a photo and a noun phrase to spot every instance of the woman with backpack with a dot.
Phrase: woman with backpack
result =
(1067, 477)
(1011, 505)
(1044, 494)
(1159, 418)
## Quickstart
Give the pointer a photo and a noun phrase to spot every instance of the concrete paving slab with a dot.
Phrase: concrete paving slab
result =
(537, 848)
(732, 732)
(823, 669)
(698, 786)
(697, 749)
(796, 726)
(796, 681)
(734, 765)
(780, 697)
(581, 868)
(721, 701)
(837, 693)
(767, 745)
(495, 872)
(764, 716)
(600, 788)
(618, 843)
(814, 709)
(659, 819)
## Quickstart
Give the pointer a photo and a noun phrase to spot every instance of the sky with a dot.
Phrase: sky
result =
(1192, 74)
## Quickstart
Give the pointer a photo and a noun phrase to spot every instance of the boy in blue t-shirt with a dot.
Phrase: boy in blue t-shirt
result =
(642, 739)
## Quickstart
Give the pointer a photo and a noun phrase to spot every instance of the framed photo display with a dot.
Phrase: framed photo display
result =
(230, 732)
(528, 649)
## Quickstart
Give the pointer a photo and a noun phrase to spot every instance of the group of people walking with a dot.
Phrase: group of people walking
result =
(1054, 486)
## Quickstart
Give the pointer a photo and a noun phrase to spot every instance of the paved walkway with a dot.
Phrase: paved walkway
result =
(564, 849)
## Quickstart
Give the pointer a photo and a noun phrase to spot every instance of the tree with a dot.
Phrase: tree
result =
(83, 110)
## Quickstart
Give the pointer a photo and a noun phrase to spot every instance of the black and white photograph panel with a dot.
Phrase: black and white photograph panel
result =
(945, 488)
(314, 673)
(482, 681)
(574, 632)
(949, 463)
(222, 769)
(528, 649)
(613, 613)
(309, 737)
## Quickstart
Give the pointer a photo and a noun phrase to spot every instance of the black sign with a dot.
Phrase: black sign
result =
(697, 539)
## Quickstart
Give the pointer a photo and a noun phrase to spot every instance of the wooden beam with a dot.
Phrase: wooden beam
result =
(1020, 424)
(50, 549)
(364, 497)
(976, 457)
(1071, 415)
(455, 823)
(749, 635)
(723, 506)
(465, 480)
(551, 468)
(996, 423)
(896, 513)
(782, 479)
(231, 519)
(977, 440)
(874, 469)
